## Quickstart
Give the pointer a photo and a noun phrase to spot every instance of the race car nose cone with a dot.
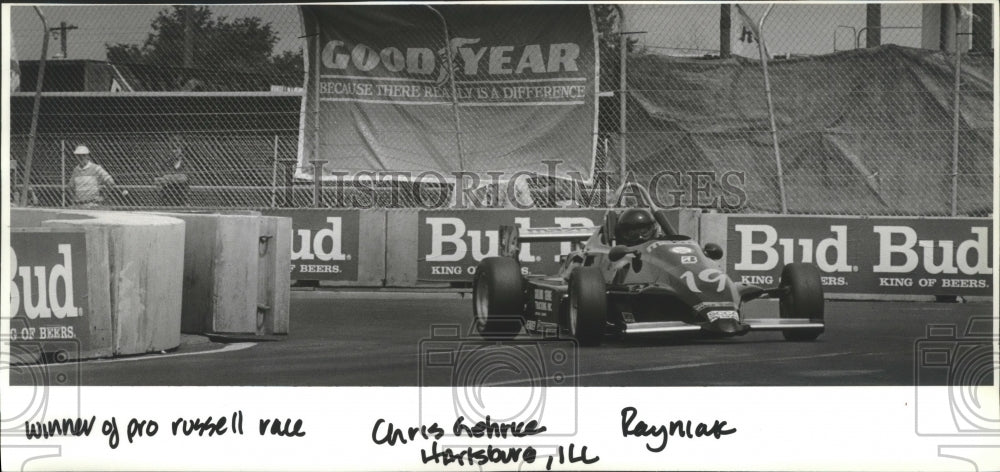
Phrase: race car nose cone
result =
(727, 326)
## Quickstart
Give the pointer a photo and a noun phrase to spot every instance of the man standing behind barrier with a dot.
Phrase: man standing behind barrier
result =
(88, 178)
(174, 181)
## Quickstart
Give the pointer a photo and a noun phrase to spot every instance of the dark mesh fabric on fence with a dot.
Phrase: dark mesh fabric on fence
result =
(860, 132)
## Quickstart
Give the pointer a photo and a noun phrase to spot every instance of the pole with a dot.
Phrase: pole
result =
(274, 174)
(873, 25)
(288, 172)
(62, 39)
(957, 118)
(63, 30)
(34, 113)
(454, 90)
(316, 114)
(725, 31)
(762, 49)
(62, 169)
(622, 93)
(317, 180)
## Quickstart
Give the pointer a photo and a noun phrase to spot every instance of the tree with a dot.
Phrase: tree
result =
(606, 17)
(244, 45)
(290, 63)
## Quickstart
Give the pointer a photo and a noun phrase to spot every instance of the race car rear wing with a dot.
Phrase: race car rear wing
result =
(511, 237)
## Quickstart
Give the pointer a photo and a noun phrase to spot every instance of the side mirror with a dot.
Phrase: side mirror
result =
(713, 251)
(510, 244)
(617, 253)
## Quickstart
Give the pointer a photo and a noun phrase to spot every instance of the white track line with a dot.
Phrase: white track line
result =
(228, 348)
(670, 367)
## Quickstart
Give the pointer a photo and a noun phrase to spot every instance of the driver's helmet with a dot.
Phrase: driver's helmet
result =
(635, 226)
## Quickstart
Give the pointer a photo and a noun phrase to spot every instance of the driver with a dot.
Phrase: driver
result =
(635, 226)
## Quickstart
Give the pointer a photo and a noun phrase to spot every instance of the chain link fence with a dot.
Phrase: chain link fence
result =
(854, 129)
(210, 111)
(208, 151)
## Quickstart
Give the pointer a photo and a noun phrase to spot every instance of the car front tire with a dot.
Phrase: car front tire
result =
(588, 305)
(498, 298)
(803, 298)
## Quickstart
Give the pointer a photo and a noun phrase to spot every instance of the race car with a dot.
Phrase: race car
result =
(634, 275)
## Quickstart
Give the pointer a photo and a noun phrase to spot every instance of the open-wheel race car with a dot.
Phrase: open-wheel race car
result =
(633, 275)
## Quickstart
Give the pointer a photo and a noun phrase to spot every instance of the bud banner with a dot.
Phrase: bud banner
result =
(449, 88)
(48, 288)
(324, 243)
(912, 256)
(452, 242)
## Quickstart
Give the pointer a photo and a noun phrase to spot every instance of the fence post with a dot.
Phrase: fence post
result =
(622, 95)
(274, 174)
(289, 177)
(725, 31)
(62, 171)
(317, 180)
(34, 113)
(873, 23)
(316, 112)
(770, 110)
(957, 118)
(454, 90)
(762, 51)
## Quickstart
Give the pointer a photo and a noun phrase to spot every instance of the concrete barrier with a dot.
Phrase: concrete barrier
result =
(337, 247)
(236, 273)
(408, 239)
(372, 250)
(133, 277)
(401, 248)
(84, 265)
(860, 258)
(382, 245)
(273, 282)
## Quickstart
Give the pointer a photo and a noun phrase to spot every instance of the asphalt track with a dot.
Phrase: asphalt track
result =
(374, 339)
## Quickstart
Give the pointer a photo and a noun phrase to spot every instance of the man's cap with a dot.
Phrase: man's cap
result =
(81, 150)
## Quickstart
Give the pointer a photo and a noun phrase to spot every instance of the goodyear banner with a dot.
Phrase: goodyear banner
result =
(510, 87)
(324, 243)
(452, 242)
(48, 290)
(912, 256)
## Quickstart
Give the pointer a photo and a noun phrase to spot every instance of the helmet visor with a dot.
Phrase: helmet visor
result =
(638, 234)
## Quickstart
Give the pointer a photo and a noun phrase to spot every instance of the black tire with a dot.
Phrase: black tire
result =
(498, 298)
(803, 299)
(588, 301)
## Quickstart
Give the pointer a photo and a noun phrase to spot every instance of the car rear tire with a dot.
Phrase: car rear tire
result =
(803, 298)
(587, 306)
(498, 298)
